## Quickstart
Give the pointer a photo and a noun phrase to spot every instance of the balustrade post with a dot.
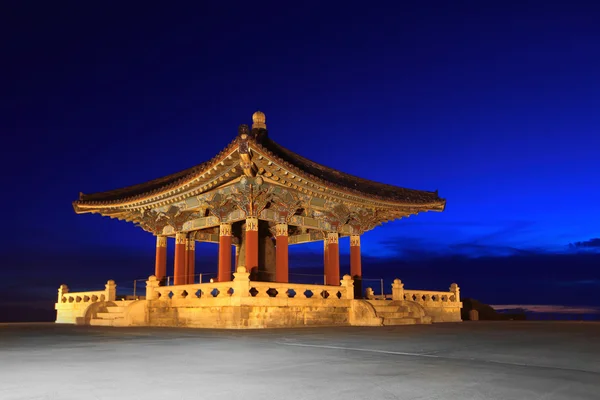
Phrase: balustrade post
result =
(348, 283)
(62, 290)
(456, 291)
(110, 290)
(241, 283)
(151, 285)
(369, 293)
(397, 290)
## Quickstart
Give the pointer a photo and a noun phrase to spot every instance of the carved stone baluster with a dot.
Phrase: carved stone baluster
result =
(397, 290)
(348, 287)
(62, 291)
(152, 284)
(456, 291)
(262, 292)
(281, 292)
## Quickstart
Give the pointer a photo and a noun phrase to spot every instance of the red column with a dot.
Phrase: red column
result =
(252, 245)
(187, 260)
(160, 266)
(224, 253)
(180, 256)
(191, 259)
(355, 264)
(325, 256)
(333, 264)
(281, 253)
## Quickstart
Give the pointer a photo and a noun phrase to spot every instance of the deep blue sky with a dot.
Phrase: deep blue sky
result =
(493, 104)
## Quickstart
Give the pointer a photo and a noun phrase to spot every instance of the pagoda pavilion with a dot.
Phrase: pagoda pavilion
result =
(260, 198)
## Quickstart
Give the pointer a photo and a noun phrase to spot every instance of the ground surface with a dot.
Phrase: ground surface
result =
(470, 360)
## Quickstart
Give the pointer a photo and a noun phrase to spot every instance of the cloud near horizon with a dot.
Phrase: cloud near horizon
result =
(587, 244)
(548, 309)
(501, 243)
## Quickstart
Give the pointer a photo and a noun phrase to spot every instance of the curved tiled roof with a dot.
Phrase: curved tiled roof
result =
(154, 186)
(330, 176)
(141, 188)
(350, 182)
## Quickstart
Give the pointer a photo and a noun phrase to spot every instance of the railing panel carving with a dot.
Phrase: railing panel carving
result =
(422, 296)
(241, 286)
(83, 297)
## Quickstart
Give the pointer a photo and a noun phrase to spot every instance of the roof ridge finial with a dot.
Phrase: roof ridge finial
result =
(259, 120)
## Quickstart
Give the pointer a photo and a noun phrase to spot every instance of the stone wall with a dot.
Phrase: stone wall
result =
(242, 304)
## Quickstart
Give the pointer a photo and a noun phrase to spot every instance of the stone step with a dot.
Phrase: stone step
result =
(379, 302)
(115, 309)
(387, 310)
(399, 321)
(101, 322)
(391, 314)
(384, 306)
(109, 315)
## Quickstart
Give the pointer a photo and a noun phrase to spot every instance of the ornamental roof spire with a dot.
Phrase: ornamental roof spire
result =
(259, 120)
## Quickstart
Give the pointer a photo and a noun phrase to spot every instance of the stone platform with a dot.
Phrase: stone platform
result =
(245, 304)
(471, 360)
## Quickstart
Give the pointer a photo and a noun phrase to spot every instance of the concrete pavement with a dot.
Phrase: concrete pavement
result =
(470, 360)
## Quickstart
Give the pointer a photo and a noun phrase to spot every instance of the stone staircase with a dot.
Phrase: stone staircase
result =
(112, 314)
(394, 313)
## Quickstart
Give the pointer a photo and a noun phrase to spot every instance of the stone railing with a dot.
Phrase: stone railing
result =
(199, 290)
(302, 291)
(425, 296)
(108, 294)
(242, 287)
(419, 296)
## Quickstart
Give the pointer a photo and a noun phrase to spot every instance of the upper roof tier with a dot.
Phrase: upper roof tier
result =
(253, 152)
